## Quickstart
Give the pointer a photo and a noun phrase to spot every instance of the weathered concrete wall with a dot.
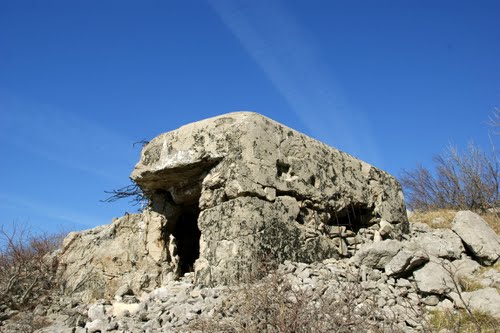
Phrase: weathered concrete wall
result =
(265, 190)
(227, 194)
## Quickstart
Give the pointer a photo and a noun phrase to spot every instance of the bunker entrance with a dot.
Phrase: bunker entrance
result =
(181, 208)
(187, 234)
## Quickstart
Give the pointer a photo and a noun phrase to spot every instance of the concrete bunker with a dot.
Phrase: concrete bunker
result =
(225, 190)
(243, 183)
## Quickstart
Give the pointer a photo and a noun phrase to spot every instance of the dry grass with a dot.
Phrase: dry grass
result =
(468, 284)
(432, 217)
(442, 218)
(462, 322)
(493, 219)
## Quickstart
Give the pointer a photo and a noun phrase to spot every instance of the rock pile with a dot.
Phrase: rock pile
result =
(390, 285)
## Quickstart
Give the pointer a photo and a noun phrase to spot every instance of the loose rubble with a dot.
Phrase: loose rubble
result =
(399, 287)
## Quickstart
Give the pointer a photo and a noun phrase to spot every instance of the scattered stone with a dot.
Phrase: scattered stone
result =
(434, 278)
(406, 260)
(478, 236)
(431, 300)
(490, 278)
(464, 267)
(96, 311)
(486, 300)
(377, 255)
(385, 229)
(441, 243)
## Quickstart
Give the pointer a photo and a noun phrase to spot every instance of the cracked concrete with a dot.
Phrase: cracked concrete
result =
(254, 163)
(231, 192)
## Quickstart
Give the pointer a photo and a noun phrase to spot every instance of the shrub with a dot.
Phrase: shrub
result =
(466, 180)
(27, 273)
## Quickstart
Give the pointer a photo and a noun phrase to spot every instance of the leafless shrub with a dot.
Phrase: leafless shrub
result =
(494, 121)
(27, 272)
(461, 180)
(132, 191)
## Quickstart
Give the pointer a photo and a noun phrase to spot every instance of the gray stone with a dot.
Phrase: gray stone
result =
(406, 260)
(96, 311)
(441, 243)
(431, 300)
(377, 255)
(478, 236)
(124, 290)
(434, 278)
(464, 267)
(485, 300)
(98, 325)
(490, 278)
(131, 251)
(385, 229)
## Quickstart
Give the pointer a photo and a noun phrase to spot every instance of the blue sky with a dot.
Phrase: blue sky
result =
(391, 82)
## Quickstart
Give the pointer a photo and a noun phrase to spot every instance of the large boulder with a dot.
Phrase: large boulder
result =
(485, 300)
(230, 193)
(480, 239)
(441, 243)
(410, 257)
(377, 255)
(436, 277)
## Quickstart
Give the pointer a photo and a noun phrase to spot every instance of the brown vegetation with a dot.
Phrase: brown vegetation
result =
(468, 180)
(27, 272)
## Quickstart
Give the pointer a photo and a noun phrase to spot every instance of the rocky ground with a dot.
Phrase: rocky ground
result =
(387, 286)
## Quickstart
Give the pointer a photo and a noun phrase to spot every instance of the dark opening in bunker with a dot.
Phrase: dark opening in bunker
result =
(182, 212)
(354, 217)
(187, 234)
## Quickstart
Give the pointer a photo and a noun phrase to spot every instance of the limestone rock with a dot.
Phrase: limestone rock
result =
(478, 236)
(130, 251)
(464, 267)
(406, 260)
(435, 278)
(379, 254)
(485, 300)
(441, 243)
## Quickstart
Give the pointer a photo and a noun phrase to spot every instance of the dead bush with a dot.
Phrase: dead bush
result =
(274, 305)
(467, 180)
(27, 271)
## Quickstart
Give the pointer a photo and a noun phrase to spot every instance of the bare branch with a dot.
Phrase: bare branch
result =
(132, 191)
(461, 180)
